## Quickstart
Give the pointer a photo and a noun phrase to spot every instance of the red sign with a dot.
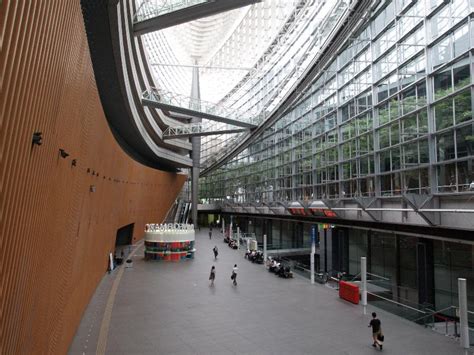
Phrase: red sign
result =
(297, 211)
(322, 212)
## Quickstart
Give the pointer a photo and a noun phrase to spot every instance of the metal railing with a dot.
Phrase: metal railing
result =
(286, 245)
(153, 8)
(446, 321)
(401, 309)
(205, 107)
(197, 129)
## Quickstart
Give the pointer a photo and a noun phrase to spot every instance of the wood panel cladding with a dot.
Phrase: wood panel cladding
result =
(59, 216)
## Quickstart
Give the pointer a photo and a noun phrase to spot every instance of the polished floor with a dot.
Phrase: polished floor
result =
(170, 308)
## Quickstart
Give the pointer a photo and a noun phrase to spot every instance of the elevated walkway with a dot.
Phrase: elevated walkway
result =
(194, 130)
(174, 102)
(154, 15)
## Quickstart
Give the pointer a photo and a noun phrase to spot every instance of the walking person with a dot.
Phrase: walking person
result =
(215, 252)
(234, 275)
(377, 335)
(210, 234)
(212, 275)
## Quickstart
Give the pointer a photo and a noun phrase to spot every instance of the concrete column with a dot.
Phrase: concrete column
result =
(363, 283)
(230, 228)
(464, 328)
(264, 249)
(223, 226)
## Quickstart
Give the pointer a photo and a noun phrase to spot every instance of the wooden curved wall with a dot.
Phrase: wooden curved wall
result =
(55, 234)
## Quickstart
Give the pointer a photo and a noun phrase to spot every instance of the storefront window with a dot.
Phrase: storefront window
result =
(452, 261)
(408, 269)
(383, 256)
(357, 249)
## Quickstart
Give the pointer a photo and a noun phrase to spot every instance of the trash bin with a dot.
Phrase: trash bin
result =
(129, 263)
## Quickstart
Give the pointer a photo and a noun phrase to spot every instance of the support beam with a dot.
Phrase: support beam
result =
(200, 66)
(196, 145)
(149, 19)
(366, 202)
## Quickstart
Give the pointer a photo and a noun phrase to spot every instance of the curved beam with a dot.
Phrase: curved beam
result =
(115, 68)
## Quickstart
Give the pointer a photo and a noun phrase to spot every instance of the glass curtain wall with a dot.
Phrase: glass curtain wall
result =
(392, 113)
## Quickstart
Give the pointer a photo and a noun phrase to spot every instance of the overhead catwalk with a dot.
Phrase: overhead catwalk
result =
(174, 102)
(154, 16)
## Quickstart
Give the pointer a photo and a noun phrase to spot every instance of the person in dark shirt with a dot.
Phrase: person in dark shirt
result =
(212, 275)
(376, 330)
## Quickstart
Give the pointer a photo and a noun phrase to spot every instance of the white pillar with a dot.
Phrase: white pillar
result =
(464, 328)
(313, 252)
(363, 283)
(230, 228)
(264, 249)
(223, 226)
(111, 262)
(238, 238)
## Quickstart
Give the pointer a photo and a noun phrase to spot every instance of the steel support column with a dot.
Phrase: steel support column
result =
(196, 146)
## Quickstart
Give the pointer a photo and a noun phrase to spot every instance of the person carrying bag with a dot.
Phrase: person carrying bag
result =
(377, 334)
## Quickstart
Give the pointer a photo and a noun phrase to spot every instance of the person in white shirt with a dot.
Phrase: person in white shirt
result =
(234, 274)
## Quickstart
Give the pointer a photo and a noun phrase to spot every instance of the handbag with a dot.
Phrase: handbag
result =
(380, 337)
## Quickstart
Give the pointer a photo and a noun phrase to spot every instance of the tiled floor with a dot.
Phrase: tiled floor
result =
(169, 308)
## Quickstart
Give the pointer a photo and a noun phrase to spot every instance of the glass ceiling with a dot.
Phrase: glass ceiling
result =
(248, 58)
